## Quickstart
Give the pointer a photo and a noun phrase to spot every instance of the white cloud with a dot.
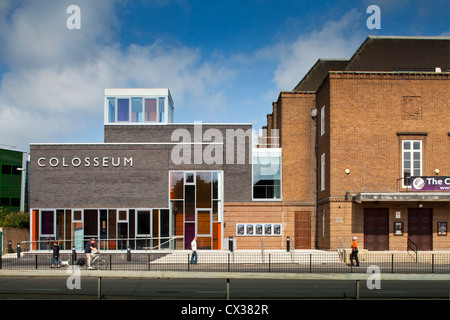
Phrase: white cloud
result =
(56, 77)
(34, 33)
(52, 90)
(336, 39)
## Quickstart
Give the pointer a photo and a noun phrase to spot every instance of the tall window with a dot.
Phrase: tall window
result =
(150, 110)
(322, 172)
(323, 223)
(123, 110)
(411, 160)
(143, 223)
(161, 109)
(322, 121)
(111, 109)
(136, 110)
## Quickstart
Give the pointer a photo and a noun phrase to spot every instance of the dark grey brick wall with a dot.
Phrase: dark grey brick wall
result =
(145, 184)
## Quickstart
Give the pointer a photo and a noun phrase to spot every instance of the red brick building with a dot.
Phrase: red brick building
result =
(354, 135)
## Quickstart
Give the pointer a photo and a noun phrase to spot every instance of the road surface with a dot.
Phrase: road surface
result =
(200, 289)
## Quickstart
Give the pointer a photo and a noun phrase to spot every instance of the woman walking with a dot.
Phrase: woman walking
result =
(55, 255)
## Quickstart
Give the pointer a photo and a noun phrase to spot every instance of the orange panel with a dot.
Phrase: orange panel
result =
(112, 245)
(179, 224)
(204, 242)
(35, 227)
(217, 238)
(203, 222)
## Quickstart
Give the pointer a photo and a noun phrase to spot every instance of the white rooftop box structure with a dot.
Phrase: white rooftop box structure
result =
(138, 106)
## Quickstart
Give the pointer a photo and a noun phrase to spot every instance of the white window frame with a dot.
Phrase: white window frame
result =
(186, 173)
(323, 223)
(411, 151)
(322, 172)
(129, 98)
(74, 221)
(322, 121)
(143, 235)
(127, 219)
(40, 224)
(210, 222)
(268, 151)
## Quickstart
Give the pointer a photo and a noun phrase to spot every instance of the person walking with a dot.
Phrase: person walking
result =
(55, 255)
(354, 254)
(194, 251)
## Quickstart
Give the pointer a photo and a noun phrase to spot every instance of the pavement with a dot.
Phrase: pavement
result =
(276, 275)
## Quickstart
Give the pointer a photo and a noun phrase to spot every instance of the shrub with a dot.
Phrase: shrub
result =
(14, 219)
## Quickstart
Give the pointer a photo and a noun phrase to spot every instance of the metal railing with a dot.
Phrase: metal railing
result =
(341, 249)
(209, 261)
(123, 243)
(413, 246)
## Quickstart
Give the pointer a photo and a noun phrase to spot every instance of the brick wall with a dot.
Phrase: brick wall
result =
(143, 185)
(258, 212)
(369, 120)
(297, 142)
(367, 116)
(15, 235)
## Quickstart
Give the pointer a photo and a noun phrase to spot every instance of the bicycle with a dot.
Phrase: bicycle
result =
(99, 261)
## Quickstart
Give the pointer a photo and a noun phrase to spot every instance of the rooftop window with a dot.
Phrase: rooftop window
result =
(143, 106)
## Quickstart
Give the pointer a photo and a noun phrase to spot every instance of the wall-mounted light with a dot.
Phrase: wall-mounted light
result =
(436, 171)
(420, 205)
(347, 171)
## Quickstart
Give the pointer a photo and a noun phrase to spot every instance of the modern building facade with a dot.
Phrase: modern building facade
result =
(13, 180)
(356, 134)
(360, 147)
(153, 184)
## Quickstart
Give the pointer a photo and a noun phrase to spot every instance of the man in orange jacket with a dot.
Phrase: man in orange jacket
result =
(354, 254)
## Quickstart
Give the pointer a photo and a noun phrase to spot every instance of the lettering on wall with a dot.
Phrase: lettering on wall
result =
(85, 162)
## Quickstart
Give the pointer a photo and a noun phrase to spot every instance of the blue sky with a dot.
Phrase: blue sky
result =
(223, 61)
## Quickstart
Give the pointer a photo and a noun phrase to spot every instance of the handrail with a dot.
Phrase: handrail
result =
(100, 240)
(413, 246)
(341, 250)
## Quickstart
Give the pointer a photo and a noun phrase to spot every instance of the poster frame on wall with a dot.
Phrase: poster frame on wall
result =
(259, 229)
